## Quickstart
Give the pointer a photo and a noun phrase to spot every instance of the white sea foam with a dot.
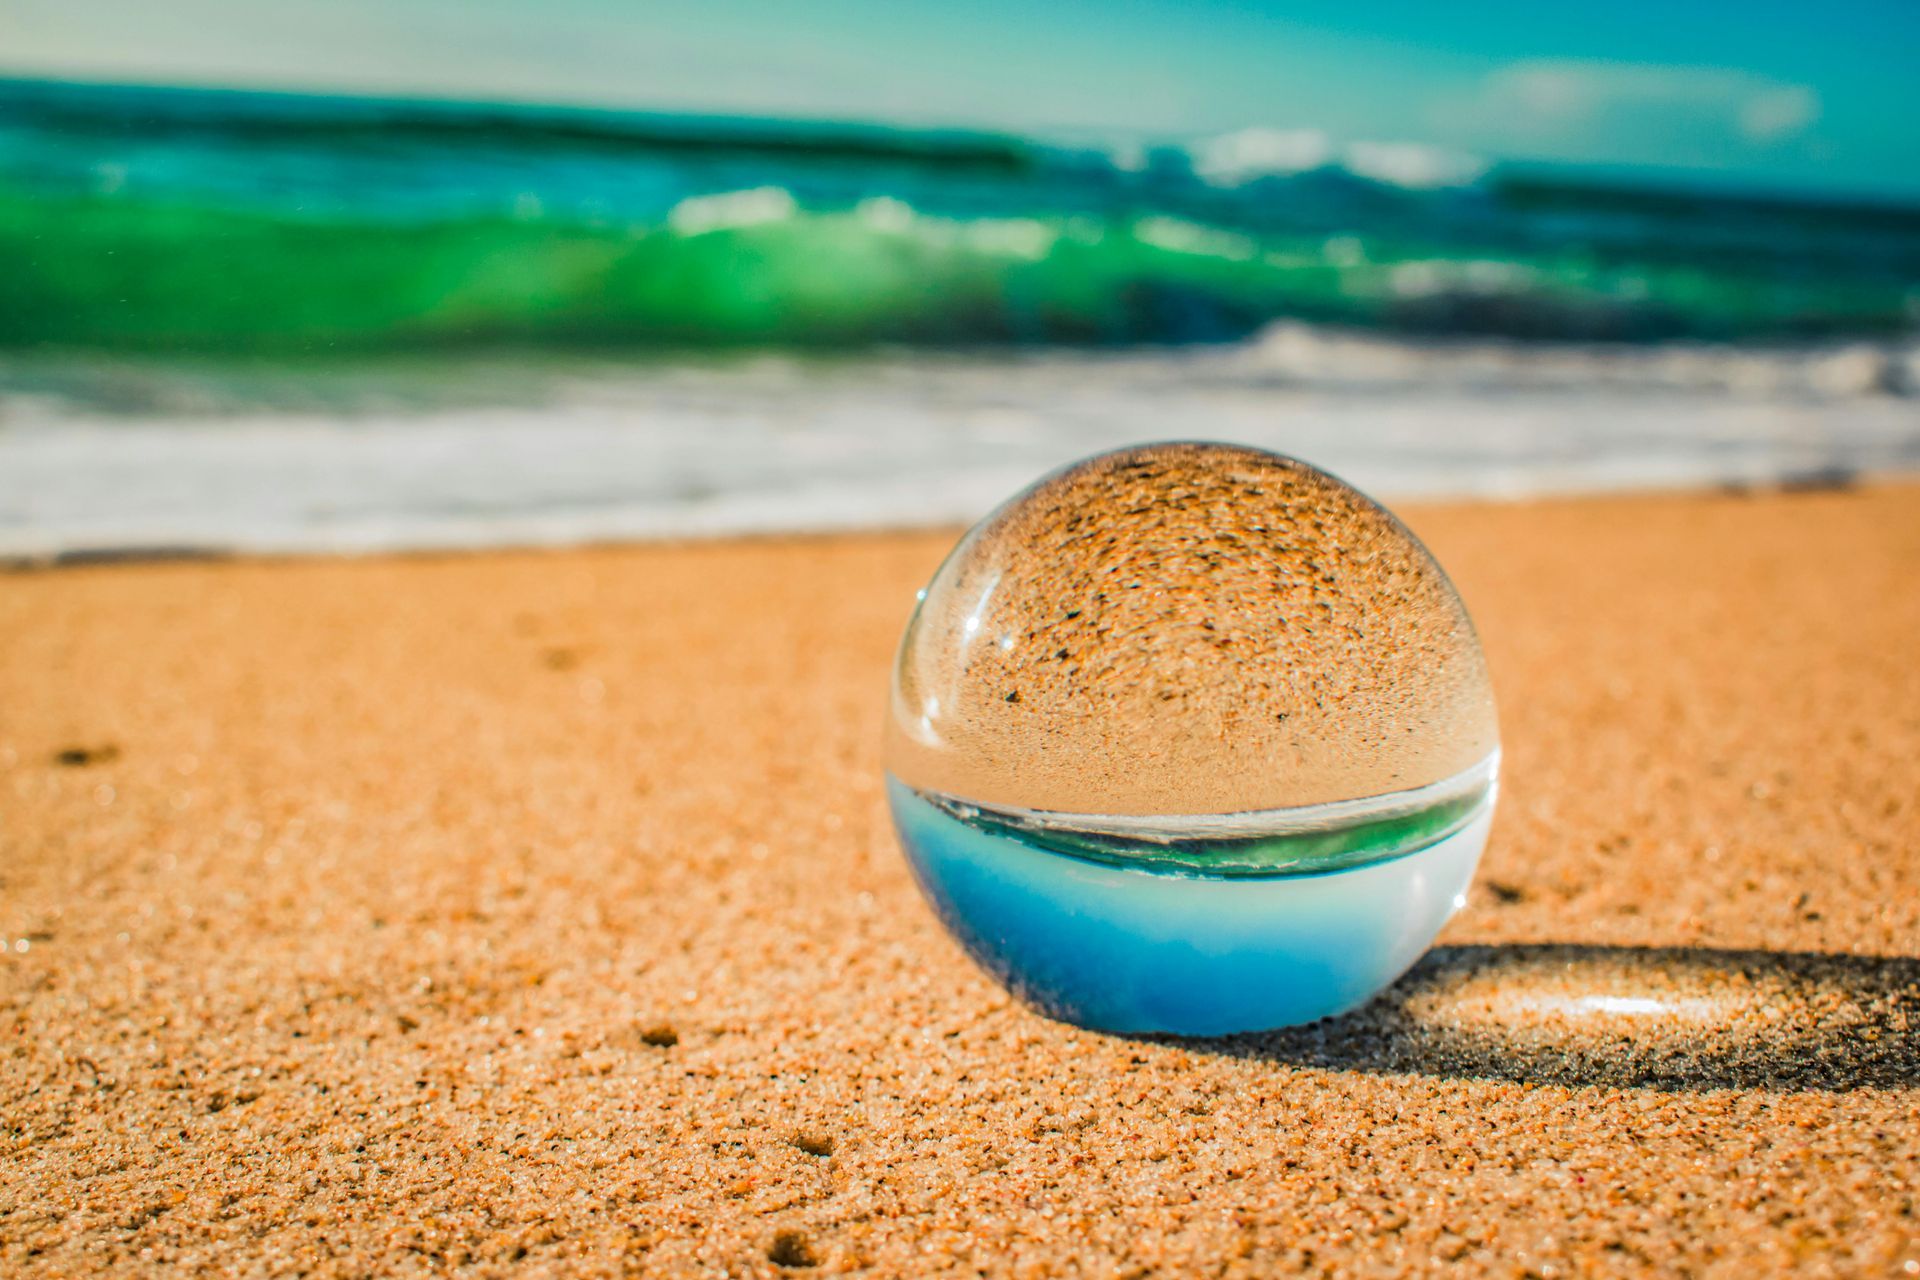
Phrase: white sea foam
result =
(1247, 155)
(1180, 236)
(1826, 372)
(725, 210)
(486, 451)
(1412, 164)
(1233, 159)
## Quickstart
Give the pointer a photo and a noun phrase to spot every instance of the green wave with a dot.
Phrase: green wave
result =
(750, 268)
(1294, 853)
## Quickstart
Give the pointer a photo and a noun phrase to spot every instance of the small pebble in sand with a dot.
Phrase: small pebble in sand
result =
(814, 1144)
(1192, 738)
(790, 1249)
(80, 757)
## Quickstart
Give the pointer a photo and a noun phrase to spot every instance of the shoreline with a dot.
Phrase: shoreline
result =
(1813, 481)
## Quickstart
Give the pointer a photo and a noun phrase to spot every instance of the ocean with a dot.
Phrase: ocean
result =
(298, 322)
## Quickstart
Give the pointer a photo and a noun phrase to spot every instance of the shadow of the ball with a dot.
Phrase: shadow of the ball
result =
(1683, 1018)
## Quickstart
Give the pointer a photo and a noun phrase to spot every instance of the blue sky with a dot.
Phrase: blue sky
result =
(1761, 93)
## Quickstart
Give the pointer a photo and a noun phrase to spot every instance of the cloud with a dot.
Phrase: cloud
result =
(1780, 113)
(1616, 111)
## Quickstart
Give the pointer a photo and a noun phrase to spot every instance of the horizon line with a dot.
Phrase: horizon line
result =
(1649, 179)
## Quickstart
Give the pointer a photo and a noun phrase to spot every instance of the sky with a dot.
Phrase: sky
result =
(1759, 93)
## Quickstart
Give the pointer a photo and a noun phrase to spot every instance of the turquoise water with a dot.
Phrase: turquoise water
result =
(146, 219)
(1165, 948)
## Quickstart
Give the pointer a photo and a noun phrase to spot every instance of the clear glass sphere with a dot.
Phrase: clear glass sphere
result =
(1191, 677)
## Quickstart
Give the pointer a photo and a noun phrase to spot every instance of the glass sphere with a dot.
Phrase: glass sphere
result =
(1192, 738)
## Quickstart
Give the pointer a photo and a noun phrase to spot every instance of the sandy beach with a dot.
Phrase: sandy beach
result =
(538, 913)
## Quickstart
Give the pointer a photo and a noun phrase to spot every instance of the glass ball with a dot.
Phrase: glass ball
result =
(1192, 738)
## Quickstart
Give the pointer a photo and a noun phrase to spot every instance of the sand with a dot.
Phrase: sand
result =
(538, 914)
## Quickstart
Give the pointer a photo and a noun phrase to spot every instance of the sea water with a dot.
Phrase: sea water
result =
(236, 321)
(188, 220)
(1204, 927)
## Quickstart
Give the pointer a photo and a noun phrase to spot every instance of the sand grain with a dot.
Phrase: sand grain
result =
(350, 932)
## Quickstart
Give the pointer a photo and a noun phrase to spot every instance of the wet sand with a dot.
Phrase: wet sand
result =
(537, 913)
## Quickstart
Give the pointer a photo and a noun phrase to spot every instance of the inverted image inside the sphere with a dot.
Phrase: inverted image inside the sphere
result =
(1218, 725)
